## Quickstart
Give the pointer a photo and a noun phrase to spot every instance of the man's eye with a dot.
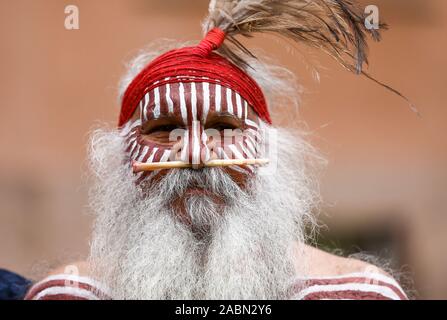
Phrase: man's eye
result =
(161, 128)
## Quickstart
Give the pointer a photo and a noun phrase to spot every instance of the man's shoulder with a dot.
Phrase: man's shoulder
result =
(68, 282)
(329, 276)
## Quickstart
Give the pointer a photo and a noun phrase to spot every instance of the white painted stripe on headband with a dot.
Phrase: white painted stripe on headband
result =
(245, 110)
(206, 100)
(218, 98)
(360, 287)
(146, 103)
(193, 101)
(72, 291)
(239, 105)
(230, 101)
(183, 110)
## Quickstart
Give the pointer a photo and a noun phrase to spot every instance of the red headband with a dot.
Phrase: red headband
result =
(193, 64)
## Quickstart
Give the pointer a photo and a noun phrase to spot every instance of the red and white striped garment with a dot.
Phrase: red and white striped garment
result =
(353, 286)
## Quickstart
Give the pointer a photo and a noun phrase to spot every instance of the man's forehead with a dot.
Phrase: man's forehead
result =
(190, 101)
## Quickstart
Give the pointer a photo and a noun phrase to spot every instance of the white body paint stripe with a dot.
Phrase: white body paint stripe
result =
(143, 153)
(235, 151)
(206, 100)
(146, 103)
(193, 101)
(183, 110)
(195, 142)
(151, 157)
(229, 101)
(72, 291)
(184, 153)
(73, 278)
(239, 106)
(218, 98)
(129, 126)
(384, 291)
(156, 111)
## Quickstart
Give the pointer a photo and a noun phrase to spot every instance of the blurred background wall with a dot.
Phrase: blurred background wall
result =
(386, 180)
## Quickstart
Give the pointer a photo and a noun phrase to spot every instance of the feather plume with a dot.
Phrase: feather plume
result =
(334, 26)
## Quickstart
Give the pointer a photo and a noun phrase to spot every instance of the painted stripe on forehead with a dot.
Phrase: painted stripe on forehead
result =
(229, 102)
(238, 106)
(183, 110)
(146, 103)
(218, 98)
(156, 111)
(194, 102)
(206, 100)
(168, 99)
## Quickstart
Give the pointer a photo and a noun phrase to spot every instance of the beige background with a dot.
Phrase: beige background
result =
(387, 167)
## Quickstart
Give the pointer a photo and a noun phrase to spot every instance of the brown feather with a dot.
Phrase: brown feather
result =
(334, 26)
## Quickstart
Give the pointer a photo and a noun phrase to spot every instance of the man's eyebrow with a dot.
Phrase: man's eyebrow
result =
(165, 116)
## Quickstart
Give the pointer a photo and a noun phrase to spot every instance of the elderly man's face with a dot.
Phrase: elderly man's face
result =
(192, 122)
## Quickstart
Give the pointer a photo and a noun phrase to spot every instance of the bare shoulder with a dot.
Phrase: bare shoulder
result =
(320, 263)
(328, 276)
(79, 268)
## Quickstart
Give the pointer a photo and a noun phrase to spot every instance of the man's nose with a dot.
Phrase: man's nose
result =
(198, 151)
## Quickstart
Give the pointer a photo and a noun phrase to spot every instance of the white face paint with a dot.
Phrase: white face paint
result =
(193, 102)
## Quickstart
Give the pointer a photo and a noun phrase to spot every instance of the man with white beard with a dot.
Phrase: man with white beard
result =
(186, 204)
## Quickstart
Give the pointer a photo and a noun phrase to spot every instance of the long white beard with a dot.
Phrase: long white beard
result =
(142, 250)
